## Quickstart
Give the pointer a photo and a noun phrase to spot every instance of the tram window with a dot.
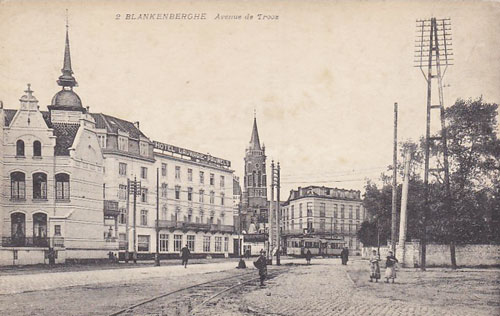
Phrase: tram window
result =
(316, 244)
(308, 244)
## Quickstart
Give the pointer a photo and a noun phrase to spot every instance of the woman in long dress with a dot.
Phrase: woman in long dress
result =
(374, 266)
(390, 265)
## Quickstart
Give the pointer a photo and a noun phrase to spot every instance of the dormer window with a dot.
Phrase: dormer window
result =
(144, 148)
(122, 143)
(102, 140)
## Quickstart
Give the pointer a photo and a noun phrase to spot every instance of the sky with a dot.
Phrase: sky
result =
(322, 78)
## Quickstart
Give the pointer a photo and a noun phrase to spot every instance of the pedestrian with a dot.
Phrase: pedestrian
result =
(374, 266)
(308, 256)
(241, 264)
(185, 255)
(390, 267)
(344, 255)
(247, 253)
(261, 264)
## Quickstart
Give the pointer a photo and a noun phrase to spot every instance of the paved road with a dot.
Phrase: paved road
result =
(325, 288)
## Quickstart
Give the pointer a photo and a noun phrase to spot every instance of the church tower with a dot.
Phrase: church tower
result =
(255, 203)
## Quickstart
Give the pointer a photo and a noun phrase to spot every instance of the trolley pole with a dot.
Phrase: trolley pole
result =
(134, 221)
(271, 204)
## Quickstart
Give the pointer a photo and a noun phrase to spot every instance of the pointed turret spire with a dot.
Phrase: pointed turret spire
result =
(67, 79)
(254, 140)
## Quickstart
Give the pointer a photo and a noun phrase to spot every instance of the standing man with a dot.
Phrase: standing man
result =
(185, 255)
(261, 264)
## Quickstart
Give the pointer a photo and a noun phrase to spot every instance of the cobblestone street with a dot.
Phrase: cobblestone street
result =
(325, 288)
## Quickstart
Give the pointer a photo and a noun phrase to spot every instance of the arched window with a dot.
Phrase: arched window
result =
(17, 186)
(39, 185)
(254, 179)
(20, 148)
(62, 186)
(259, 177)
(37, 149)
(40, 229)
(18, 229)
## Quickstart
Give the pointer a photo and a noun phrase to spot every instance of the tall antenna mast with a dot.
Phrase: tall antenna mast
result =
(433, 50)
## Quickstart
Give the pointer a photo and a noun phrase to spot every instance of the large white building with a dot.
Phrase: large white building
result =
(323, 212)
(65, 186)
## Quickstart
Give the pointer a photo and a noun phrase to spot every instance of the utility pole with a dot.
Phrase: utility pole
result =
(134, 218)
(394, 181)
(404, 202)
(157, 256)
(278, 215)
(434, 34)
(271, 205)
(127, 233)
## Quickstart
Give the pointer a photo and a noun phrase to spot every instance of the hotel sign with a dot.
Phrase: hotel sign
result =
(192, 154)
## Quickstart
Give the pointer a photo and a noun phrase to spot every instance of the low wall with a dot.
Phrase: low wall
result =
(439, 254)
(27, 256)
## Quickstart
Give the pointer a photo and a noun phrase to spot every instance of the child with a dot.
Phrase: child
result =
(374, 266)
(390, 265)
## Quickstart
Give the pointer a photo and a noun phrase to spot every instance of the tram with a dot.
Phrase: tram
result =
(319, 246)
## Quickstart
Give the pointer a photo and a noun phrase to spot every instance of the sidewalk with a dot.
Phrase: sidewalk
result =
(18, 283)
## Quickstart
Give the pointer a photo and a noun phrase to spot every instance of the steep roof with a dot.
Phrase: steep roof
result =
(254, 140)
(9, 115)
(113, 125)
(65, 134)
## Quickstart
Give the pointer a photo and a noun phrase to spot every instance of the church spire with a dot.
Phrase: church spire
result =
(254, 140)
(67, 79)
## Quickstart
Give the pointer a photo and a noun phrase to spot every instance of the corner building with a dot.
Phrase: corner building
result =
(323, 212)
(65, 186)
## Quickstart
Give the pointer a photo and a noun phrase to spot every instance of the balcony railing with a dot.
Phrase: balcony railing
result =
(43, 242)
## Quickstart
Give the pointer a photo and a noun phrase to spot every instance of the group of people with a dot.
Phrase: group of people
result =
(390, 267)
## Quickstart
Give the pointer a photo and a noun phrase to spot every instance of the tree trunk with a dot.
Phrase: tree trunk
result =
(452, 255)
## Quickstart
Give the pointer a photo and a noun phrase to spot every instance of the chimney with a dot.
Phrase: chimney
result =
(136, 123)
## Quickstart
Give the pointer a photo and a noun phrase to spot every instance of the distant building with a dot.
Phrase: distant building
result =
(323, 212)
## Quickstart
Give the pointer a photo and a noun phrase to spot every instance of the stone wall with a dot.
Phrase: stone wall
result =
(439, 254)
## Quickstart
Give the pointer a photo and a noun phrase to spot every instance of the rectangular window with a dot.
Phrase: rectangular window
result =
(222, 184)
(144, 195)
(164, 212)
(62, 187)
(226, 244)
(144, 172)
(202, 177)
(212, 179)
(212, 197)
(218, 244)
(177, 243)
(190, 242)
(163, 169)
(122, 169)
(190, 174)
(309, 209)
(322, 224)
(322, 210)
(335, 211)
(122, 143)
(122, 192)
(143, 149)
(102, 140)
(163, 242)
(350, 211)
(177, 172)
(202, 193)
(357, 212)
(300, 210)
(144, 217)
(57, 230)
(190, 194)
(300, 224)
(122, 218)
(164, 190)
(293, 215)
(222, 199)
(143, 242)
(341, 210)
(206, 243)
(177, 192)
